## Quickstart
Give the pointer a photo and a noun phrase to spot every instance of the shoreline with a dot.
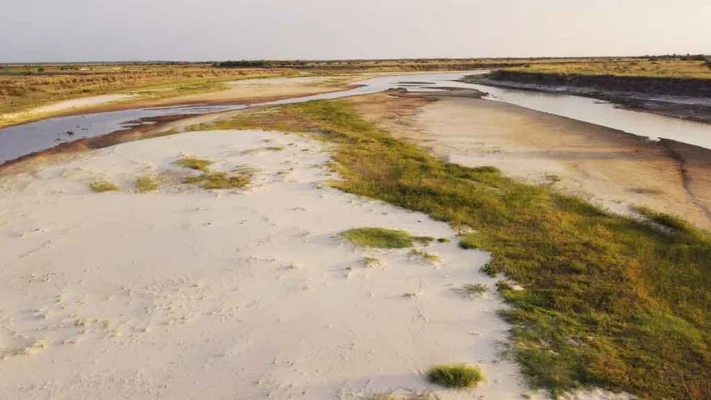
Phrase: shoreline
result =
(614, 168)
(682, 154)
(175, 102)
(697, 109)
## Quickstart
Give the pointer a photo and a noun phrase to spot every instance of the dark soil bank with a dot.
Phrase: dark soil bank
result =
(646, 85)
(681, 98)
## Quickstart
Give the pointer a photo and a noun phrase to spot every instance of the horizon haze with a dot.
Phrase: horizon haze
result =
(82, 30)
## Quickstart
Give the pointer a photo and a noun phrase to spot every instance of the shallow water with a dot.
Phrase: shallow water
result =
(24, 139)
(606, 114)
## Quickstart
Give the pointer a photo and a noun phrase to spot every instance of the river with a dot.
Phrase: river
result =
(20, 140)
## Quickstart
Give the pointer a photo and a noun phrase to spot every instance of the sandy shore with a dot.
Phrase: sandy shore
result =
(238, 92)
(609, 167)
(192, 294)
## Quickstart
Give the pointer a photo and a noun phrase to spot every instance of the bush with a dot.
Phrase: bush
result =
(456, 376)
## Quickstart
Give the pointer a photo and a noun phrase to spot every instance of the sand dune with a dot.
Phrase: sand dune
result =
(244, 294)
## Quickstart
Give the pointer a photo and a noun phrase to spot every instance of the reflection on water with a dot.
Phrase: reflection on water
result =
(606, 114)
(36, 136)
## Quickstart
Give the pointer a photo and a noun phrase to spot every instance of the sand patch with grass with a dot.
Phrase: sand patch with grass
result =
(248, 292)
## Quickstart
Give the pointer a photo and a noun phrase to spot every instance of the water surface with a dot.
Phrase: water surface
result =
(24, 139)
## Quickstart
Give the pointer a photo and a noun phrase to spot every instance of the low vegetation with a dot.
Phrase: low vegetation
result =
(27, 86)
(194, 163)
(219, 180)
(423, 255)
(383, 238)
(407, 396)
(370, 262)
(459, 376)
(103, 186)
(610, 301)
(673, 67)
(473, 291)
(145, 184)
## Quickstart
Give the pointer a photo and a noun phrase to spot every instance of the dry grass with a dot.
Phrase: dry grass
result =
(675, 68)
(103, 186)
(145, 184)
(425, 256)
(472, 291)
(24, 87)
(194, 163)
(220, 180)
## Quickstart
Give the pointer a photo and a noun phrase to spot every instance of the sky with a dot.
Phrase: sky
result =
(206, 30)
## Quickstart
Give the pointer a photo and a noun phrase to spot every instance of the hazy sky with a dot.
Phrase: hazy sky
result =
(92, 30)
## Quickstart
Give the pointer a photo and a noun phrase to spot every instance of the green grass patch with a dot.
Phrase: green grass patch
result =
(194, 163)
(610, 302)
(380, 238)
(145, 184)
(103, 186)
(458, 376)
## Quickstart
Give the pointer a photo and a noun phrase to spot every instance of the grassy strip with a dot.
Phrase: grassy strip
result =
(609, 301)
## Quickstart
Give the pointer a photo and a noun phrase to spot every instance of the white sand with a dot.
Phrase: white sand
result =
(190, 294)
(81, 103)
(286, 81)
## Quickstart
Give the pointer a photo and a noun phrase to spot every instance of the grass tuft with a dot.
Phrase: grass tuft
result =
(423, 255)
(103, 186)
(407, 396)
(379, 238)
(195, 163)
(145, 184)
(219, 180)
(473, 290)
(370, 262)
(459, 376)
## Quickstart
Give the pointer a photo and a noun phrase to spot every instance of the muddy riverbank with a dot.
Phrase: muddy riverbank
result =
(680, 98)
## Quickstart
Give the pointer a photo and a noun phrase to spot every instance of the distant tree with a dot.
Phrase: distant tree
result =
(40, 69)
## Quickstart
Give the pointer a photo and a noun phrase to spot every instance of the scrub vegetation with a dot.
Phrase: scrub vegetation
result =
(103, 186)
(610, 301)
(145, 184)
(472, 290)
(194, 163)
(408, 396)
(219, 180)
(458, 376)
(423, 255)
(26, 86)
(657, 67)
